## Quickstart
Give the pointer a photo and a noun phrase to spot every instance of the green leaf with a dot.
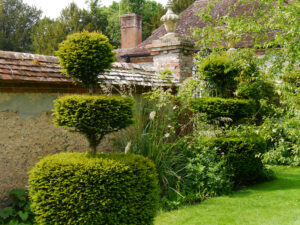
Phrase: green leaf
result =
(7, 212)
(23, 215)
(18, 193)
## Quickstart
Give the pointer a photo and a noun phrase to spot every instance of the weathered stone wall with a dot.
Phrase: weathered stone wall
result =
(28, 134)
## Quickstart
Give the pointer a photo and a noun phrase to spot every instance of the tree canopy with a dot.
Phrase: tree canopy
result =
(22, 28)
(269, 25)
(17, 22)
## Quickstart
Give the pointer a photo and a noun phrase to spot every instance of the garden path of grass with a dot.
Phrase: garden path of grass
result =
(271, 203)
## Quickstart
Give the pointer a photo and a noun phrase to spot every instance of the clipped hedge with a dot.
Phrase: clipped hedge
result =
(221, 72)
(93, 116)
(84, 55)
(76, 188)
(214, 108)
(242, 156)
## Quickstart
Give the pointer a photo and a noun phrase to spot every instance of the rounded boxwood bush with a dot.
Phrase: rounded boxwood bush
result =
(242, 155)
(93, 116)
(84, 55)
(86, 189)
(214, 108)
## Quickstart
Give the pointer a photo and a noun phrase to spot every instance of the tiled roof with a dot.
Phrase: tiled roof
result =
(134, 74)
(25, 67)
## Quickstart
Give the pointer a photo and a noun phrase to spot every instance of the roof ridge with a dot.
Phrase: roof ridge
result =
(28, 56)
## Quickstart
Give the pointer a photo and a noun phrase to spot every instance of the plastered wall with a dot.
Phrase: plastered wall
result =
(28, 134)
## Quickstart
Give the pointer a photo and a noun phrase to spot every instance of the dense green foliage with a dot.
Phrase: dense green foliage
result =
(93, 116)
(185, 174)
(269, 23)
(19, 212)
(84, 55)
(234, 109)
(221, 73)
(242, 156)
(76, 188)
(17, 22)
(50, 32)
(181, 5)
(282, 129)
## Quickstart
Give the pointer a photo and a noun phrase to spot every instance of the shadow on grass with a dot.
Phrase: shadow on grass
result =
(285, 180)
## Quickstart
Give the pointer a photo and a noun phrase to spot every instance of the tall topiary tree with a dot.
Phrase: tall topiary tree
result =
(84, 55)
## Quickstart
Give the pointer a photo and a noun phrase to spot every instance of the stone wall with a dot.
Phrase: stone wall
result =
(27, 134)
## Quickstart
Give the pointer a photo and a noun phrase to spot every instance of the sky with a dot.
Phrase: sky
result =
(52, 8)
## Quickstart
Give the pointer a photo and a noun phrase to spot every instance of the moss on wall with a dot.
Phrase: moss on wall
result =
(27, 105)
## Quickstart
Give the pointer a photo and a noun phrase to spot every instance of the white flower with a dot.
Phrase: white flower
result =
(127, 148)
(152, 115)
(167, 135)
(274, 130)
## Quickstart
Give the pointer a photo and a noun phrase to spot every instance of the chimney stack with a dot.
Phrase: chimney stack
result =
(131, 30)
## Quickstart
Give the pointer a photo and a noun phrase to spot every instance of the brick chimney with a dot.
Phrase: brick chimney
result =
(131, 30)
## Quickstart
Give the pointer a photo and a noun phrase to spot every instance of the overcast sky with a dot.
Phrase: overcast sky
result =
(52, 8)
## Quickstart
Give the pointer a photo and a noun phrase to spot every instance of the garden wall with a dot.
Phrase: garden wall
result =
(28, 134)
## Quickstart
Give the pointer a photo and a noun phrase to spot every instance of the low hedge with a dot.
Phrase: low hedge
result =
(78, 188)
(214, 108)
(242, 156)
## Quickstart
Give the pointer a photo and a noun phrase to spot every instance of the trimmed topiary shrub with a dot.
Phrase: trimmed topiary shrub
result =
(84, 55)
(93, 116)
(242, 155)
(214, 108)
(85, 189)
(221, 72)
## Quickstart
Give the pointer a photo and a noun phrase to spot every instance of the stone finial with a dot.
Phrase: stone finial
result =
(170, 19)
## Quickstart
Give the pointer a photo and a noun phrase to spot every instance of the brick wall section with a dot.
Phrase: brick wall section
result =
(174, 52)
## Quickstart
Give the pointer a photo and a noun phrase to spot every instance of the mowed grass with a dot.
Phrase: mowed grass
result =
(272, 203)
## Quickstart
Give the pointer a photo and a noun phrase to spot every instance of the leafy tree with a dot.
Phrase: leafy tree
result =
(181, 5)
(84, 55)
(17, 21)
(49, 33)
(270, 25)
(113, 29)
(150, 11)
(133, 6)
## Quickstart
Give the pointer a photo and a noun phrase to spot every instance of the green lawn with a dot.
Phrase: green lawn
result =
(271, 203)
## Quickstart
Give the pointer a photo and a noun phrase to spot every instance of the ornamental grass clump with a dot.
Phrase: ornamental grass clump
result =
(85, 189)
